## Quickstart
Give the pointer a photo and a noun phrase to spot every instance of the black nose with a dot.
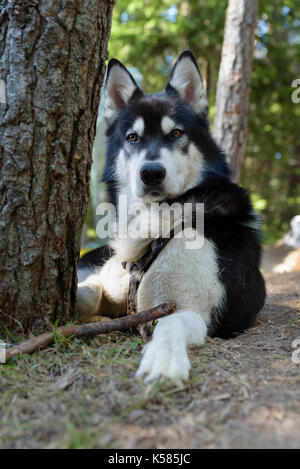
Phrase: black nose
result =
(152, 174)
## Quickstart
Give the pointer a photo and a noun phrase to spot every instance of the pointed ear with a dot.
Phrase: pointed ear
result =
(119, 89)
(187, 81)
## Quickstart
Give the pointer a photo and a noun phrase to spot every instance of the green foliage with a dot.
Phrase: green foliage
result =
(272, 165)
(149, 35)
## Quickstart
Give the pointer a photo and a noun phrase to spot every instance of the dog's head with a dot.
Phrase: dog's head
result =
(159, 145)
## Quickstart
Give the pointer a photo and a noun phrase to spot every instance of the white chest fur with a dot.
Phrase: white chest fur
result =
(189, 277)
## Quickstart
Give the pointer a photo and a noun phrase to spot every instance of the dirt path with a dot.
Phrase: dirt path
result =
(244, 392)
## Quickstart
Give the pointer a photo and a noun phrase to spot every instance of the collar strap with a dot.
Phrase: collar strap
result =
(139, 268)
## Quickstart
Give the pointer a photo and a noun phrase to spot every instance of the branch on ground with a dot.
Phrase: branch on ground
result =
(91, 329)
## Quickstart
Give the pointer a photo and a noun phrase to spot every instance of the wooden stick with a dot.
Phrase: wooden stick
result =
(91, 329)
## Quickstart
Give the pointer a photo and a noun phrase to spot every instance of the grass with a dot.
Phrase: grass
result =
(103, 392)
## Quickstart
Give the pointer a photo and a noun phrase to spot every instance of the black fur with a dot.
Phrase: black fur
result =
(228, 221)
(95, 258)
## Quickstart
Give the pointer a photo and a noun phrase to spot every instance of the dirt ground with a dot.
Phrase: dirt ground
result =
(243, 392)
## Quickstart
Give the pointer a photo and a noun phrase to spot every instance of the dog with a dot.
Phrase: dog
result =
(159, 150)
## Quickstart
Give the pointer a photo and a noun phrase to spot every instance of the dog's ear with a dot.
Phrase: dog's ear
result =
(187, 81)
(120, 88)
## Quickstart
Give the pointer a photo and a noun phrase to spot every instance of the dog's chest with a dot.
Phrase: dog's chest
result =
(184, 275)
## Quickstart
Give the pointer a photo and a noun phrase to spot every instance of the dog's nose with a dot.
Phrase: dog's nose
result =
(152, 174)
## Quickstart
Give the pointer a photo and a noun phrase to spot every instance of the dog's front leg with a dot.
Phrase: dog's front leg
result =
(89, 293)
(103, 291)
(166, 355)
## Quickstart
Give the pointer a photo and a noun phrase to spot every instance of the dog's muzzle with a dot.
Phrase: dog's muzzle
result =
(152, 175)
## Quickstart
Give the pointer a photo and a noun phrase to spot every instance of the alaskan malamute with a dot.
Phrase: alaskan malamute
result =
(160, 151)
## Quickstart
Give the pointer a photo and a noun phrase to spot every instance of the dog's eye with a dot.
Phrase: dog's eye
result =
(133, 138)
(176, 133)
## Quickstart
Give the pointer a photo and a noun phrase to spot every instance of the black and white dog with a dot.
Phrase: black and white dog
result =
(159, 149)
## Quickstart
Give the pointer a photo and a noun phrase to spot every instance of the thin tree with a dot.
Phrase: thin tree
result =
(52, 62)
(232, 102)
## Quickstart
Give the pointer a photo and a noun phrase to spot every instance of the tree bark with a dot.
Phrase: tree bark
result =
(232, 102)
(52, 55)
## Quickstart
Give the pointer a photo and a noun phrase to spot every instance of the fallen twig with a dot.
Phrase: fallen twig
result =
(90, 329)
(66, 381)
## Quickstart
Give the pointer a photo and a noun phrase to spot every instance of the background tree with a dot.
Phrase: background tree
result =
(232, 100)
(52, 60)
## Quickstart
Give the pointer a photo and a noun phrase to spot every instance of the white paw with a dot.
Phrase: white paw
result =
(88, 299)
(165, 360)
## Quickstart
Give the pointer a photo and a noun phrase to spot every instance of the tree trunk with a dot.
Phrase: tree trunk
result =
(232, 102)
(52, 55)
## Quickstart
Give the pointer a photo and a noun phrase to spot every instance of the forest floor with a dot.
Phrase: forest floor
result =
(243, 392)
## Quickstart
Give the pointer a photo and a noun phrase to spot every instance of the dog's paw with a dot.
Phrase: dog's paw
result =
(88, 300)
(164, 361)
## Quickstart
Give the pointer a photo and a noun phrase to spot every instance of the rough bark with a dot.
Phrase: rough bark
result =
(52, 55)
(232, 102)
